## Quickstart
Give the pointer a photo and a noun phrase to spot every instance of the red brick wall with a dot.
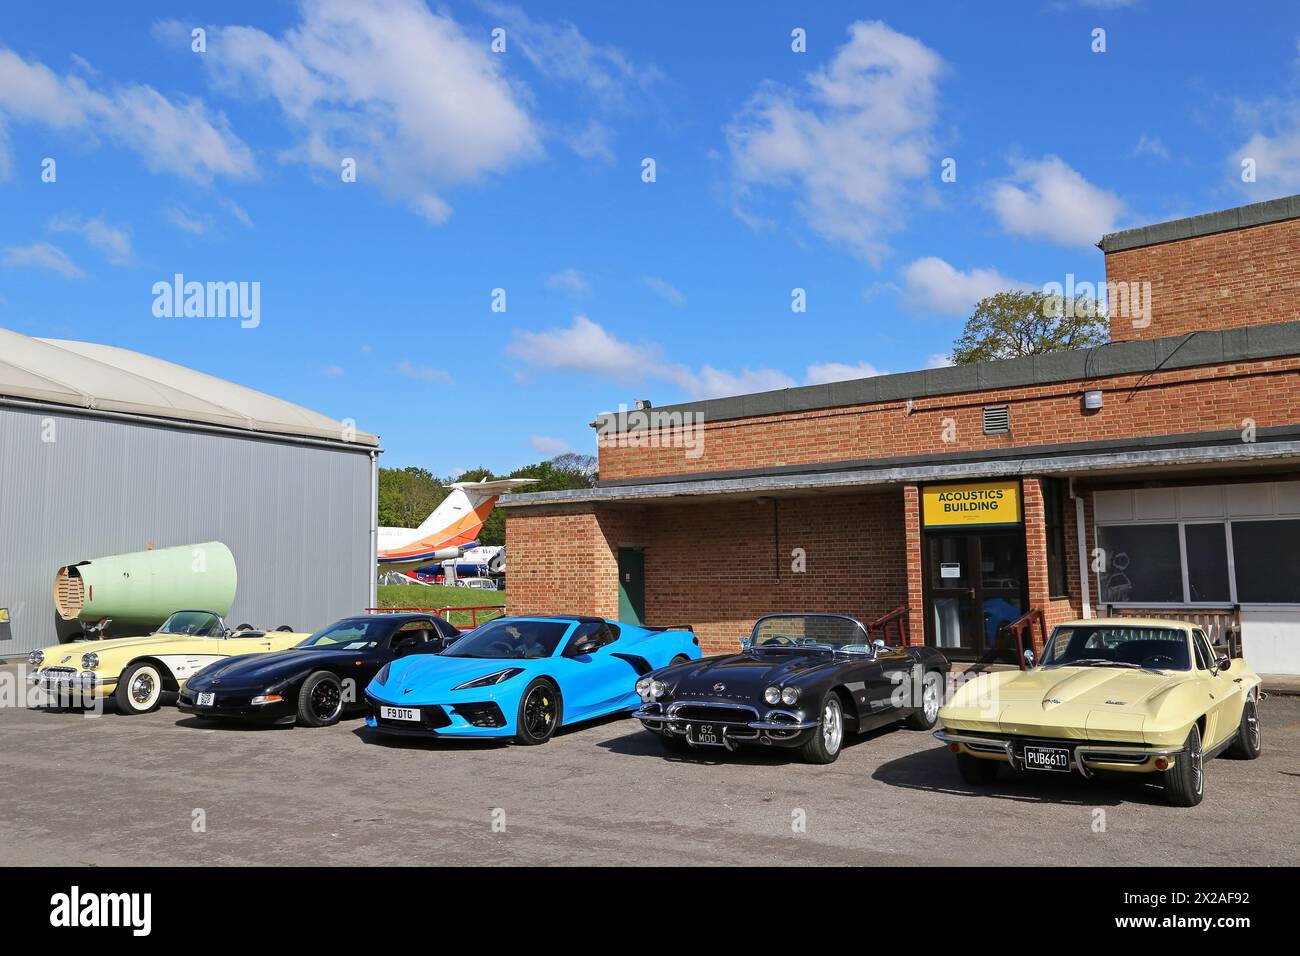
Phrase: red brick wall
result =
(713, 565)
(915, 577)
(1163, 403)
(1223, 281)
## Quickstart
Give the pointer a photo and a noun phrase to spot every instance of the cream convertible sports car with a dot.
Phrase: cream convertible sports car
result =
(136, 670)
(1114, 694)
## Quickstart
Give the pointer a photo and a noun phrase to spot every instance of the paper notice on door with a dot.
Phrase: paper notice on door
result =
(950, 570)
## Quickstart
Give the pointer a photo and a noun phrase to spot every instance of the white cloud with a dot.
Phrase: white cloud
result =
(571, 280)
(332, 371)
(1047, 199)
(420, 105)
(588, 348)
(172, 136)
(422, 373)
(664, 289)
(559, 51)
(185, 221)
(1150, 146)
(839, 372)
(585, 346)
(932, 285)
(40, 255)
(938, 360)
(853, 146)
(1275, 155)
(550, 447)
(114, 243)
(593, 141)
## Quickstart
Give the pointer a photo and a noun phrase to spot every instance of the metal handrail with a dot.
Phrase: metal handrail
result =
(881, 625)
(1020, 625)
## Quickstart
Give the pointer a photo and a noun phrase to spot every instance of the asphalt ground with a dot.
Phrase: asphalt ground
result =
(164, 788)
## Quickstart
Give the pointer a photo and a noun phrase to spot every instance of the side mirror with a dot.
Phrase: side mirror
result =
(586, 647)
(877, 646)
(1224, 662)
(746, 642)
(1029, 658)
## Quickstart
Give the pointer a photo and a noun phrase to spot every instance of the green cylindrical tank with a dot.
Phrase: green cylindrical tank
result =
(142, 588)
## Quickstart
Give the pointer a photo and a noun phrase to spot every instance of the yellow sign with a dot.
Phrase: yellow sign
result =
(4, 615)
(984, 503)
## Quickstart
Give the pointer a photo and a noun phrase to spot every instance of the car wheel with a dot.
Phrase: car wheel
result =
(138, 689)
(977, 772)
(320, 701)
(925, 717)
(1249, 741)
(828, 737)
(1185, 780)
(539, 713)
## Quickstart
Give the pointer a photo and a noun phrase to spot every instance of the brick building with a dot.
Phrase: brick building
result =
(1160, 473)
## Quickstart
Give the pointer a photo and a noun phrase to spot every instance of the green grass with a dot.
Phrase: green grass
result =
(436, 596)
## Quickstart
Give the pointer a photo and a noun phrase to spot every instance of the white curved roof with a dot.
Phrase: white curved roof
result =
(106, 378)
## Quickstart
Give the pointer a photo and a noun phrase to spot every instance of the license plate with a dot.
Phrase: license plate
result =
(707, 735)
(207, 700)
(1047, 758)
(399, 713)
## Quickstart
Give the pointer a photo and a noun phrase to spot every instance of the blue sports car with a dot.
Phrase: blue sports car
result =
(523, 677)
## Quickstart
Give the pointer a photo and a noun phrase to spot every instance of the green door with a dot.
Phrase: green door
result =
(631, 585)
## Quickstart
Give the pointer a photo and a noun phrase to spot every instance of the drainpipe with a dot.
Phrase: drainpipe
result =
(1085, 575)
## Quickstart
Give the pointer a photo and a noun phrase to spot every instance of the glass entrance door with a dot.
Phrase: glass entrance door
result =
(975, 585)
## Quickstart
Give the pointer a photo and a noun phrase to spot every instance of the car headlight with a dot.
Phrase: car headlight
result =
(789, 696)
(267, 698)
(772, 695)
(89, 661)
(643, 687)
(382, 677)
(491, 680)
(658, 688)
(36, 658)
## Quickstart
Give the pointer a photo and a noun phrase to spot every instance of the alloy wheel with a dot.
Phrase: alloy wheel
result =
(832, 725)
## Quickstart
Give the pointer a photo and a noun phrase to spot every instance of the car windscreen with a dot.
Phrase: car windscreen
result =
(354, 634)
(511, 640)
(810, 630)
(1154, 648)
(193, 624)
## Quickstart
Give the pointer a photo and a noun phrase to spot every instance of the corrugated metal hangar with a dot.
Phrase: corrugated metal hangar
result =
(105, 451)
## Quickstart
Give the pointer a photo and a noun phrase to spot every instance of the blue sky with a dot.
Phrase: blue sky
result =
(523, 171)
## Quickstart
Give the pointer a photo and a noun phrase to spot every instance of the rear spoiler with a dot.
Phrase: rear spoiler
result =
(674, 627)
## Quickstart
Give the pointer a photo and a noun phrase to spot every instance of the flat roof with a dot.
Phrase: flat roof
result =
(98, 377)
(1096, 462)
(1138, 356)
(1206, 224)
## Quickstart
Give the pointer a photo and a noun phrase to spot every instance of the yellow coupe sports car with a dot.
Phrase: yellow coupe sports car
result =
(1134, 695)
(136, 670)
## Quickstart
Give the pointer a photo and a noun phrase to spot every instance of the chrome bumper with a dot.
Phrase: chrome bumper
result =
(670, 723)
(1082, 751)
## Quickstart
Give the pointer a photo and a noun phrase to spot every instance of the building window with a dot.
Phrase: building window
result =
(1143, 564)
(1207, 563)
(1054, 518)
(1267, 562)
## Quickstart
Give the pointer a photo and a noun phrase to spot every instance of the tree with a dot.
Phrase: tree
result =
(407, 496)
(1013, 324)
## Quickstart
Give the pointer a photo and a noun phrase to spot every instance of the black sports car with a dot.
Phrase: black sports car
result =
(317, 680)
(800, 680)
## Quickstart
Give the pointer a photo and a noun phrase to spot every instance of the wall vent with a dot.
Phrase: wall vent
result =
(997, 419)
